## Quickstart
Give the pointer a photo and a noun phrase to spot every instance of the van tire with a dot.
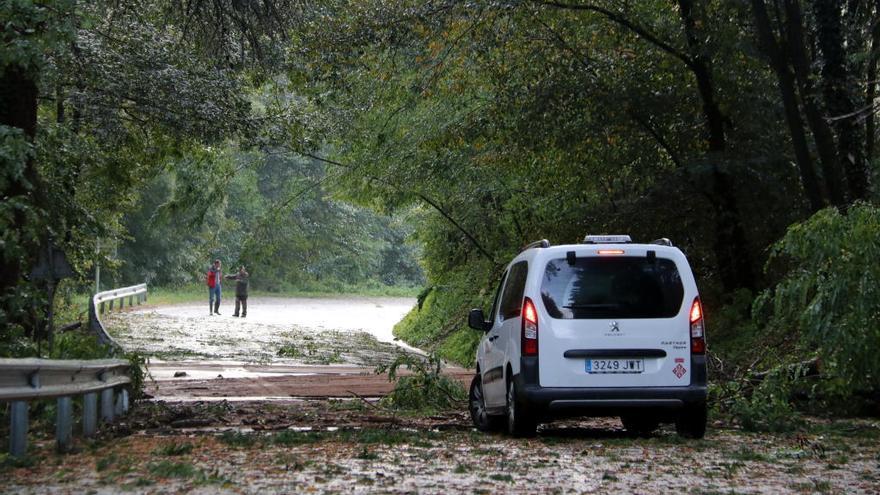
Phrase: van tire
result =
(691, 421)
(519, 422)
(480, 416)
(639, 426)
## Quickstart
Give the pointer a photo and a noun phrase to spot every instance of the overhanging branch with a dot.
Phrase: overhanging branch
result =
(616, 18)
(420, 195)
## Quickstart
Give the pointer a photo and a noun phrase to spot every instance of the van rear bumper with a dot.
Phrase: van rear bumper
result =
(552, 401)
(582, 401)
(553, 398)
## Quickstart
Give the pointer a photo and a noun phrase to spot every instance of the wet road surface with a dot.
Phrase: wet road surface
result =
(286, 347)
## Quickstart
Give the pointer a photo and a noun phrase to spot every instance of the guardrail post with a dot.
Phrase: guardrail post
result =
(107, 405)
(121, 402)
(125, 401)
(90, 414)
(93, 314)
(111, 304)
(18, 428)
(130, 301)
(64, 424)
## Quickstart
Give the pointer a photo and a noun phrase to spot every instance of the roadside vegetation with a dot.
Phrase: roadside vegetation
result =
(426, 390)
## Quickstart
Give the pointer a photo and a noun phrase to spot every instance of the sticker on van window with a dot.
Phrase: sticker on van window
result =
(679, 370)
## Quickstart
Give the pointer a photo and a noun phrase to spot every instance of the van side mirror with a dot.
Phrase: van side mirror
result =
(477, 320)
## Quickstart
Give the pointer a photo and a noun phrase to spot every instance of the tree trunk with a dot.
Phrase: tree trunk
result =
(838, 99)
(871, 92)
(731, 250)
(822, 134)
(779, 63)
(699, 66)
(18, 109)
(18, 100)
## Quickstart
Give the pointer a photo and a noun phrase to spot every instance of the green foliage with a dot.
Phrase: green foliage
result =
(733, 333)
(507, 123)
(138, 373)
(426, 389)
(78, 345)
(174, 449)
(767, 407)
(14, 342)
(440, 321)
(40, 28)
(238, 439)
(829, 295)
(125, 96)
(15, 151)
(270, 213)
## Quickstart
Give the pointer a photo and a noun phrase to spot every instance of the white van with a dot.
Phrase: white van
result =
(603, 328)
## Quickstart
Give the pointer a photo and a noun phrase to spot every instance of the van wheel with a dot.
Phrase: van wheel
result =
(519, 422)
(483, 421)
(639, 425)
(691, 421)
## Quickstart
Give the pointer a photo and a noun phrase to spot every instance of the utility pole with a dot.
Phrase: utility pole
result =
(97, 265)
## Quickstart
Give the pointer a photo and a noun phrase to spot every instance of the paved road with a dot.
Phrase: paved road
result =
(286, 347)
(374, 315)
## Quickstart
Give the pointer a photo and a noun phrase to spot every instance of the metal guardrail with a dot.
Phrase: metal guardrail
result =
(23, 380)
(105, 301)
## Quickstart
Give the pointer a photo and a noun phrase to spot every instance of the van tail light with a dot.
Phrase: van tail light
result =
(529, 328)
(698, 331)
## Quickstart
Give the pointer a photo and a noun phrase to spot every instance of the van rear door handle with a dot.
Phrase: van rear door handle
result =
(618, 353)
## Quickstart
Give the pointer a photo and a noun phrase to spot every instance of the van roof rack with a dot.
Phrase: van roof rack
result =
(607, 239)
(663, 241)
(543, 243)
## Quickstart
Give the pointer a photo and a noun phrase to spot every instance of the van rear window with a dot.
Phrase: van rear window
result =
(619, 287)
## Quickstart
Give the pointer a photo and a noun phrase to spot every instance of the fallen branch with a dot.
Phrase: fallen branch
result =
(365, 401)
(803, 369)
(69, 327)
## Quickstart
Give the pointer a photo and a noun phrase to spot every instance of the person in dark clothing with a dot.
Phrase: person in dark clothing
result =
(241, 290)
(215, 275)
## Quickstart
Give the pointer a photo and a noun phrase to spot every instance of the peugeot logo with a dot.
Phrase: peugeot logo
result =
(614, 327)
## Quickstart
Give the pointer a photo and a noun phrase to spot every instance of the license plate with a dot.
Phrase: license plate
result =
(596, 366)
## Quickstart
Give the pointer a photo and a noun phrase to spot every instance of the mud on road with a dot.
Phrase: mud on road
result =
(339, 330)
(286, 347)
(355, 446)
(275, 383)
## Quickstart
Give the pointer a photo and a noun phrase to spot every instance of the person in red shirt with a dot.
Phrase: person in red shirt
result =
(215, 276)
